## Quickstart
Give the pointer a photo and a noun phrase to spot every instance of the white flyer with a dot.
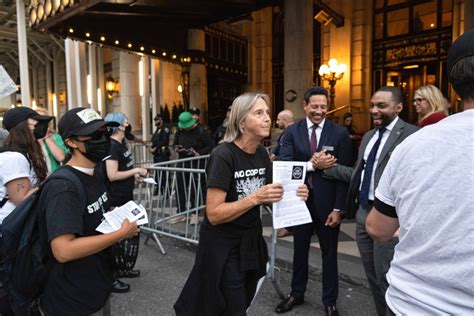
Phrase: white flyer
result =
(113, 220)
(149, 180)
(291, 210)
(7, 86)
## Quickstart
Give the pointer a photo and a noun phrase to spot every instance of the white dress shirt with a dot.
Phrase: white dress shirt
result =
(371, 144)
(319, 130)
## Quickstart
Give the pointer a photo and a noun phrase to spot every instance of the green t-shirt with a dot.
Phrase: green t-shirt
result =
(52, 163)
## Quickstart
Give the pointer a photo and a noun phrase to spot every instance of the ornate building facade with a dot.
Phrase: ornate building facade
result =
(142, 58)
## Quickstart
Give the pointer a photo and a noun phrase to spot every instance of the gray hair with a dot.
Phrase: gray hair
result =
(240, 109)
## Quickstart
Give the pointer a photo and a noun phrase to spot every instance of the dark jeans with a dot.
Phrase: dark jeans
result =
(238, 288)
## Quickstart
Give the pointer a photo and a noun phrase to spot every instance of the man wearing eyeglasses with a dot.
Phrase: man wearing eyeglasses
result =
(374, 152)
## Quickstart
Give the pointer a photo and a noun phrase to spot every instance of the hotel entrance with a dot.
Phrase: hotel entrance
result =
(410, 45)
(409, 78)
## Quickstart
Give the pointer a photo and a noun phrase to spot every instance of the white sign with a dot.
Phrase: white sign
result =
(7, 86)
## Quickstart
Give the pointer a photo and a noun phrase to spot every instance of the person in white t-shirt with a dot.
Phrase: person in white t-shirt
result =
(428, 189)
(22, 168)
(22, 164)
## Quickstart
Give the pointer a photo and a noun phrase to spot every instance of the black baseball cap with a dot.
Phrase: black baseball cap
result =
(462, 47)
(14, 116)
(82, 122)
(158, 117)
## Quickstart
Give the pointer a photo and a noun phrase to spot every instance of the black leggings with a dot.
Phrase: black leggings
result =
(125, 254)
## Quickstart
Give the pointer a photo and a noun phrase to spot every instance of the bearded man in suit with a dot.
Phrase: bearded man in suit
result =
(374, 153)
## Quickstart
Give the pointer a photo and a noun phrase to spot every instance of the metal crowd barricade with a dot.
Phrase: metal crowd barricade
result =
(185, 179)
(180, 186)
(272, 268)
(141, 152)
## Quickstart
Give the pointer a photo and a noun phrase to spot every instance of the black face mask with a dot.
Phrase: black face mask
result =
(128, 132)
(41, 129)
(97, 148)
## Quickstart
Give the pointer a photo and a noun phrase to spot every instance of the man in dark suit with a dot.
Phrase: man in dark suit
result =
(304, 141)
(374, 153)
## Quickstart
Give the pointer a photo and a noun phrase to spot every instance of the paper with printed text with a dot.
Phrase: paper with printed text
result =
(291, 210)
(113, 220)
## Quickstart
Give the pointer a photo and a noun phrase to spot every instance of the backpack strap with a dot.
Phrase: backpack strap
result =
(65, 172)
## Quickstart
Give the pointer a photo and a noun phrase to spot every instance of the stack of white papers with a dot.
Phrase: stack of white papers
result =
(113, 220)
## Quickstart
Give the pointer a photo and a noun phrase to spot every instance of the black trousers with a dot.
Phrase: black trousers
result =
(124, 252)
(328, 238)
(238, 288)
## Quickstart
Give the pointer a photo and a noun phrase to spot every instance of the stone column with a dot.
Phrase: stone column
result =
(359, 69)
(155, 86)
(49, 86)
(81, 73)
(100, 82)
(298, 52)
(129, 84)
(145, 98)
(197, 74)
(70, 73)
(55, 98)
(468, 15)
(22, 53)
(76, 73)
(34, 81)
(92, 52)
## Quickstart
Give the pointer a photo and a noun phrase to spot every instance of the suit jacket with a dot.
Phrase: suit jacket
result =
(400, 131)
(276, 150)
(328, 194)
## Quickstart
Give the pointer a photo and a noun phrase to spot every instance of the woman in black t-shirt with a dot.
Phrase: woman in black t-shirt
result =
(120, 170)
(232, 253)
(122, 175)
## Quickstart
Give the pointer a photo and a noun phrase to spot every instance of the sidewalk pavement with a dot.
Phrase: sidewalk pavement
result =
(163, 277)
(350, 265)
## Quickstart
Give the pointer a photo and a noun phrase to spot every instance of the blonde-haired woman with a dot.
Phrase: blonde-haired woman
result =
(430, 105)
(232, 254)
